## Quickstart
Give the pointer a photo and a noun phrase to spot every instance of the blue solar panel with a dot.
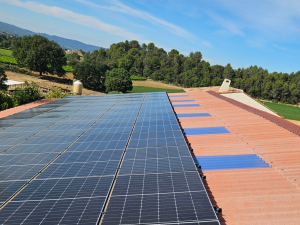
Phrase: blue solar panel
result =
(182, 101)
(186, 105)
(226, 162)
(88, 137)
(178, 96)
(206, 130)
(180, 115)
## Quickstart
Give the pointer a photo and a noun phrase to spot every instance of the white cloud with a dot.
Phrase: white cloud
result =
(274, 17)
(228, 25)
(118, 6)
(68, 15)
(278, 47)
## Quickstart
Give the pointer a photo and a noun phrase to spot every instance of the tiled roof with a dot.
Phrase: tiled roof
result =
(254, 195)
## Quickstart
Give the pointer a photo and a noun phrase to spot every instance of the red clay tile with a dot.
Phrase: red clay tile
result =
(248, 196)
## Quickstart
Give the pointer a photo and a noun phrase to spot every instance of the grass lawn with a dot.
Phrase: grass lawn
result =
(288, 112)
(138, 89)
(5, 52)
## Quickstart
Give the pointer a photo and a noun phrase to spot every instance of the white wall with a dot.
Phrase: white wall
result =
(247, 100)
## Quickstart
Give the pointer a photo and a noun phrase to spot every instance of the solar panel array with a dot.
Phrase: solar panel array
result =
(114, 159)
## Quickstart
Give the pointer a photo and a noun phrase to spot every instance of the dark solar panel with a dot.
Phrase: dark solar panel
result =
(26, 159)
(88, 137)
(158, 165)
(157, 152)
(80, 169)
(159, 198)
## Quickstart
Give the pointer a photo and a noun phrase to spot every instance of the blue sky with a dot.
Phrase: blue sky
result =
(241, 32)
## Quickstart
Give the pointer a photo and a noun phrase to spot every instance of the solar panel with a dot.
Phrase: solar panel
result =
(124, 154)
(158, 198)
(26, 159)
(158, 182)
(156, 139)
(158, 165)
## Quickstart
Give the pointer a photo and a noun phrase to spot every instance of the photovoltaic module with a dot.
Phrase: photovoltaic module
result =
(105, 159)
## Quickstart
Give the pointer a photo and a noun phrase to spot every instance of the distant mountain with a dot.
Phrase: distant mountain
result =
(63, 42)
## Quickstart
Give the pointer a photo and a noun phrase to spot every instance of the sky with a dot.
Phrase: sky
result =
(265, 33)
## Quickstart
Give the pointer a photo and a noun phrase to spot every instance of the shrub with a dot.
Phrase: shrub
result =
(137, 78)
(114, 92)
(22, 96)
(7, 101)
(30, 93)
(3, 78)
(56, 92)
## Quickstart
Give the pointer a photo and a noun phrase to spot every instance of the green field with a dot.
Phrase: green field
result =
(137, 78)
(138, 89)
(288, 112)
(8, 60)
(5, 52)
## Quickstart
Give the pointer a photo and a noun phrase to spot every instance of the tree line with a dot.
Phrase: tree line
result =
(103, 69)
(187, 71)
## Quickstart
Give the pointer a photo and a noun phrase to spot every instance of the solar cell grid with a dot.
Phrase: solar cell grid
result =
(89, 156)
(51, 133)
(156, 139)
(157, 135)
(155, 111)
(10, 141)
(158, 198)
(49, 140)
(170, 208)
(158, 165)
(8, 188)
(74, 188)
(156, 116)
(26, 159)
(87, 187)
(103, 137)
(147, 184)
(157, 152)
(78, 169)
(68, 127)
(115, 112)
(22, 172)
(110, 128)
(77, 121)
(23, 125)
(4, 147)
(103, 145)
(117, 119)
(38, 148)
(62, 211)
(153, 126)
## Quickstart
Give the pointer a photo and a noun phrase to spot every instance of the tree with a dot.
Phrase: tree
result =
(119, 80)
(91, 73)
(3, 78)
(39, 54)
(228, 72)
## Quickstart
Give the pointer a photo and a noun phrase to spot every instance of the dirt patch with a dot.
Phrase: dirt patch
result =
(155, 84)
(45, 83)
(295, 122)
